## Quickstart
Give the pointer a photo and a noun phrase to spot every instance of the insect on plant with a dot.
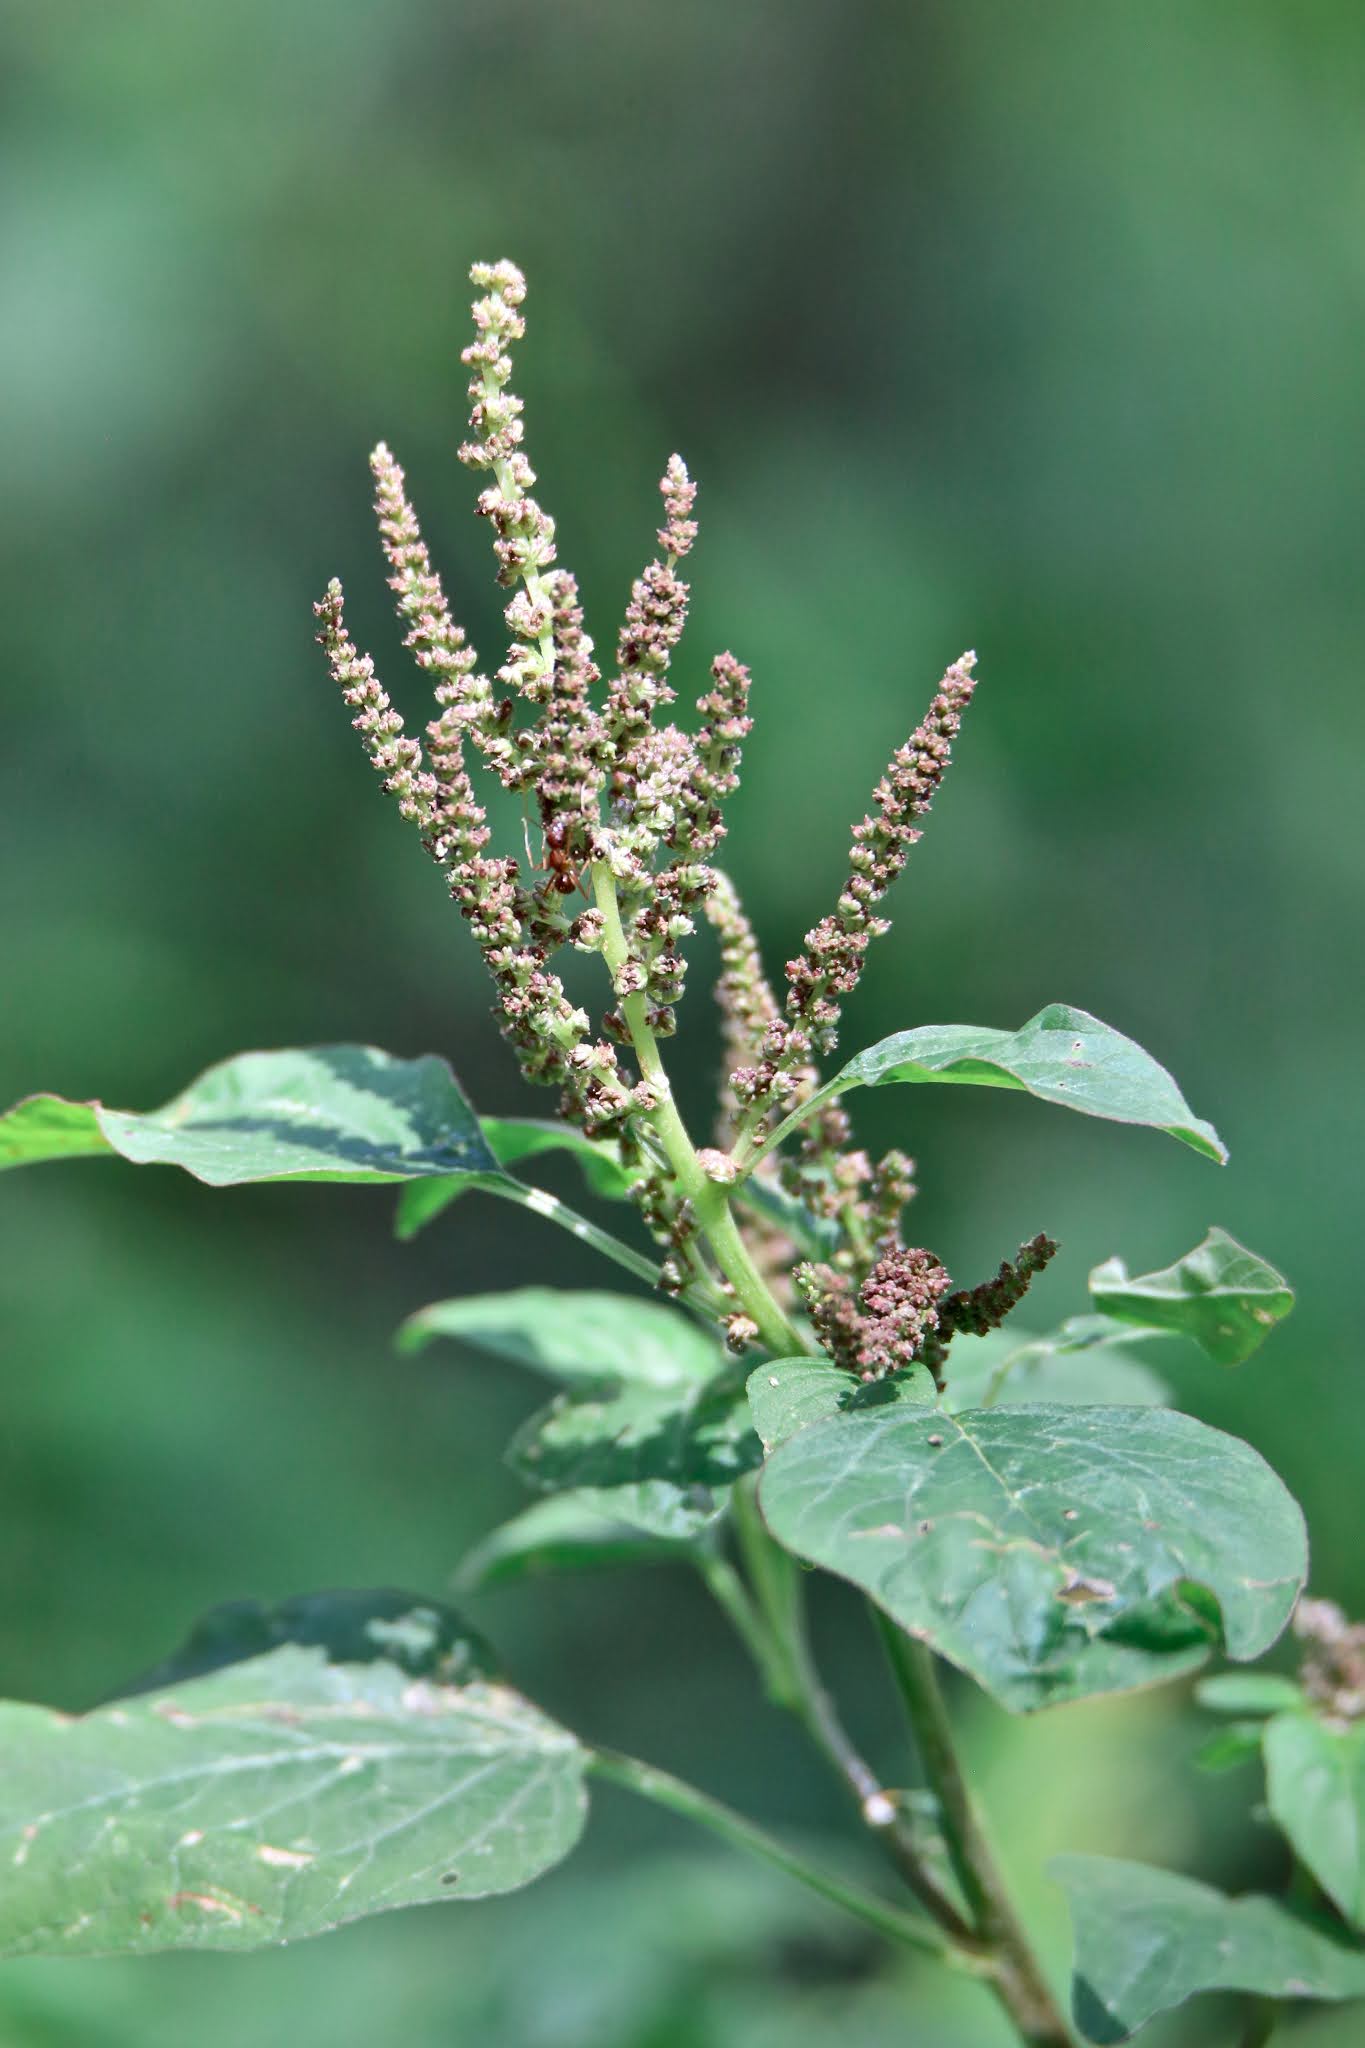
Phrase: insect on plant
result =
(792, 1382)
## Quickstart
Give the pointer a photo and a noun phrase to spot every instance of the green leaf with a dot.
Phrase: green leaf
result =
(1229, 1747)
(1049, 1552)
(1147, 1940)
(510, 1140)
(352, 1627)
(574, 1336)
(332, 1112)
(1315, 1789)
(788, 1394)
(274, 1799)
(696, 1437)
(514, 1138)
(1061, 1055)
(569, 1532)
(1247, 1692)
(1220, 1295)
(1083, 1362)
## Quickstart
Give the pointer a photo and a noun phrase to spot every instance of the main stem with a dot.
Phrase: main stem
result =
(1017, 1979)
(794, 1682)
(994, 1945)
(709, 1203)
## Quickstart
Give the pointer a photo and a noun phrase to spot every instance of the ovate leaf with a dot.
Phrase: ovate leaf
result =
(1220, 1295)
(569, 1532)
(332, 1112)
(697, 1438)
(275, 1798)
(1050, 1552)
(1062, 1055)
(572, 1336)
(787, 1394)
(1147, 1940)
(1315, 1789)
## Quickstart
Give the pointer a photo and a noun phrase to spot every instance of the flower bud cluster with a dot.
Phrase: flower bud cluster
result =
(972, 1311)
(524, 535)
(975, 1310)
(630, 812)
(433, 638)
(891, 1190)
(829, 969)
(661, 790)
(653, 626)
(551, 1035)
(1332, 1673)
(903, 1313)
(888, 1323)
(748, 1007)
(666, 787)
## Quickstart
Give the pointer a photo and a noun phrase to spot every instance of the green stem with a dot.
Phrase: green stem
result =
(1018, 1979)
(776, 1578)
(694, 1805)
(731, 1595)
(710, 1206)
(749, 1154)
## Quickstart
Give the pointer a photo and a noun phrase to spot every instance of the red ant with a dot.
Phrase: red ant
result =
(559, 863)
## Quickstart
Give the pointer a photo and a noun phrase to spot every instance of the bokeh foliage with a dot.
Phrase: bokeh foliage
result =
(1031, 329)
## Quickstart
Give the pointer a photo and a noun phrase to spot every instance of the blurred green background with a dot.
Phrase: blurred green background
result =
(1035, 329)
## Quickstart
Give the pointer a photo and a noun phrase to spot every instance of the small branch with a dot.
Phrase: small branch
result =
(731, 1595)
(694, 1805)
(800, 1689)
(1017, 1979)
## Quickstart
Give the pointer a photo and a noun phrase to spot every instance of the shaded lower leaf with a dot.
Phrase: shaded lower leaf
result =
(274, 1799)
(350, 1626)
(1315, 1789)
(677, 1514)
(331, 1112)
(1220, 1295)
(1063, 1055)
(1147, 1940)
(569, 1532)
(696, 1438)
(1050, 1552)
(574, 1335)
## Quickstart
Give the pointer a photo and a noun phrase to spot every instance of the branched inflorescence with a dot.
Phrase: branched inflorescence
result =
(630, 811)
